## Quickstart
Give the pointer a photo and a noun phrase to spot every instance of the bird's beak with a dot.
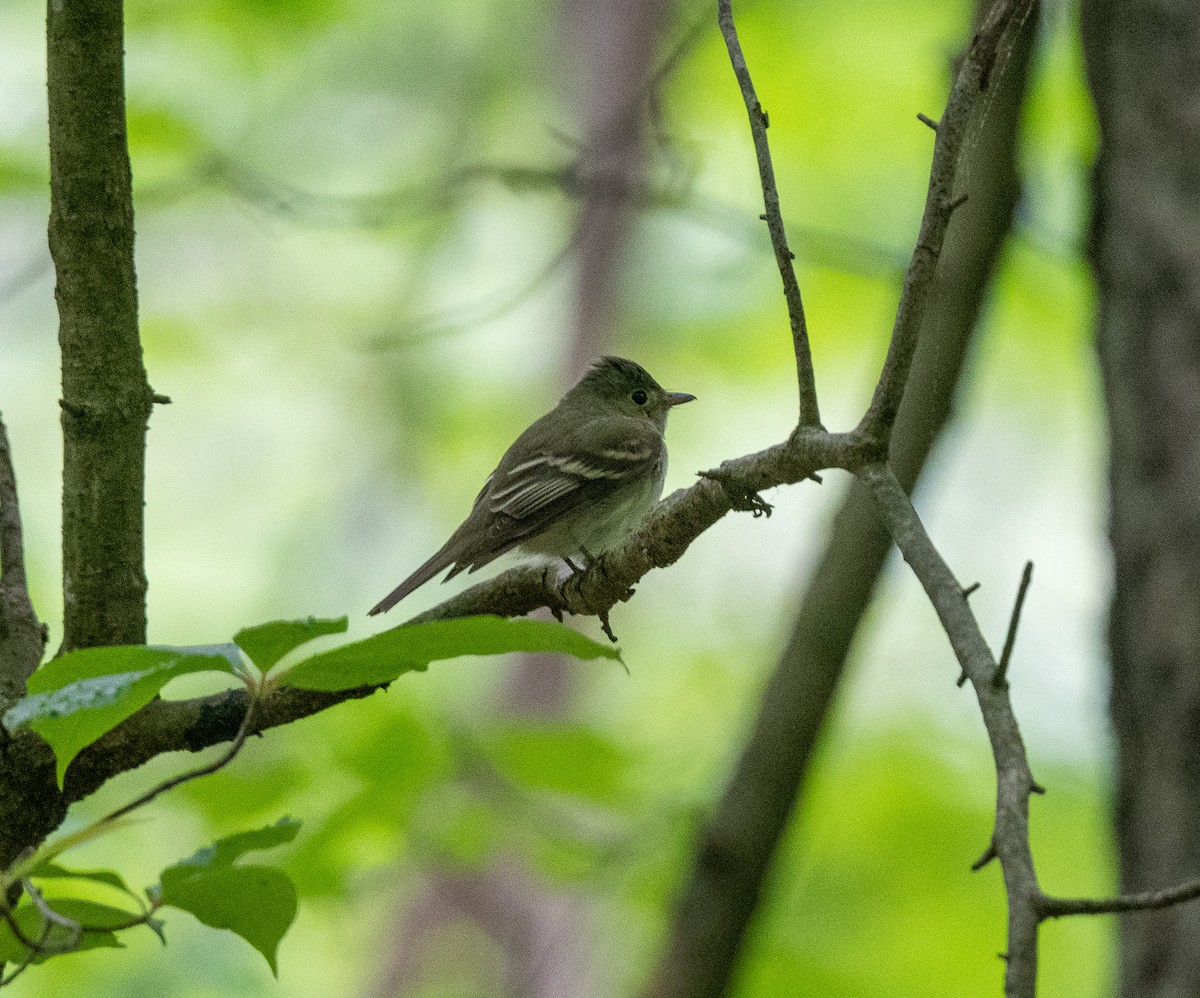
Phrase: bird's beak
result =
(678, 398)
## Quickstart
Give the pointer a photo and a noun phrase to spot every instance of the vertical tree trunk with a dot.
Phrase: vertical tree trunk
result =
(1143, 60)
(106, 398)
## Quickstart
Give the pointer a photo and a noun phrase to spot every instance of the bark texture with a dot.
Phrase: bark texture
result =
(22, 637)
(106, 398)
(1142, 59)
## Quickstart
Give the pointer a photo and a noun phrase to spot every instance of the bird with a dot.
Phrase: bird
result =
(576, 483)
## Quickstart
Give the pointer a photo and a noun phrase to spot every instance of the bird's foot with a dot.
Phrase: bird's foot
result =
(555, 602)
(741, 496)
(607, 627)
(563, 595)
(600, 564)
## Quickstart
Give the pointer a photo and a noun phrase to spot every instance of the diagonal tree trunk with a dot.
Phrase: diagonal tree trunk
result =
(1142, 60)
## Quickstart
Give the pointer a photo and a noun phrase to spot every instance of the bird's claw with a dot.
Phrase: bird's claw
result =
(555, 601)
(741, 497)
(560, 595)
(607, 627)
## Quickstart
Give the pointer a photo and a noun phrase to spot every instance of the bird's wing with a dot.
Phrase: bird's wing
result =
(525, 497)
(587, 465)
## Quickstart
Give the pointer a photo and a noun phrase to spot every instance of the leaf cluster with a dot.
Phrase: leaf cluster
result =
(74, 700)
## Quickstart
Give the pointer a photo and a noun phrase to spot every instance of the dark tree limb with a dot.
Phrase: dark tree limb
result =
(810, 413)
(22, 638)
(31, 805)
(106, 398)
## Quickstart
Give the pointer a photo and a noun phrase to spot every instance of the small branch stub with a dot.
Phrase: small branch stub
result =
(1000, 679)
(989, 854)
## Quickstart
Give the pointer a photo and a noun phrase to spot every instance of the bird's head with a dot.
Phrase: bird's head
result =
(628, 388)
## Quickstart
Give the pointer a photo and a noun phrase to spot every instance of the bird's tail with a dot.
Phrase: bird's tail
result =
(422, 575)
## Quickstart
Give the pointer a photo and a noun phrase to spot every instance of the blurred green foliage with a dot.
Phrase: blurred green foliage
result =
(356, 285)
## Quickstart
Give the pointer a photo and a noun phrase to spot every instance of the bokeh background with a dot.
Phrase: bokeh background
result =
(356, 283)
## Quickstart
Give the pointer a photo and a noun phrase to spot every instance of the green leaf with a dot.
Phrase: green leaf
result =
(256, 902)
(91, 663)
(109, 878)
(410, 647)
(54, 871)
(227, 851)
(75, 699)
(266, 644)
(102, 919)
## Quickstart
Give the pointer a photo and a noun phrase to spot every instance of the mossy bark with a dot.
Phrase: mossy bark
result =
(106, 397)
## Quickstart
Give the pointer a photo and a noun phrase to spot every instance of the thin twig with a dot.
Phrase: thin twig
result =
(1051, 907)
(73, 924)
(1001, 676)
(15, 927)
(810, 413)
(52, 917)
(223, 760)
(32, 949)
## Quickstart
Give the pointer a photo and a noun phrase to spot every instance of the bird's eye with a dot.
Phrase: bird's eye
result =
(639, 397)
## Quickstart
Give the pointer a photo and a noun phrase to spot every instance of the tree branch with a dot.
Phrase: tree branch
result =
(972, 80)
(1051, 907)
(717, 904)
(106, 398)
(22, 638)
(31, 805)
(810, 413)
(1014, 781)
(1014, 622)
